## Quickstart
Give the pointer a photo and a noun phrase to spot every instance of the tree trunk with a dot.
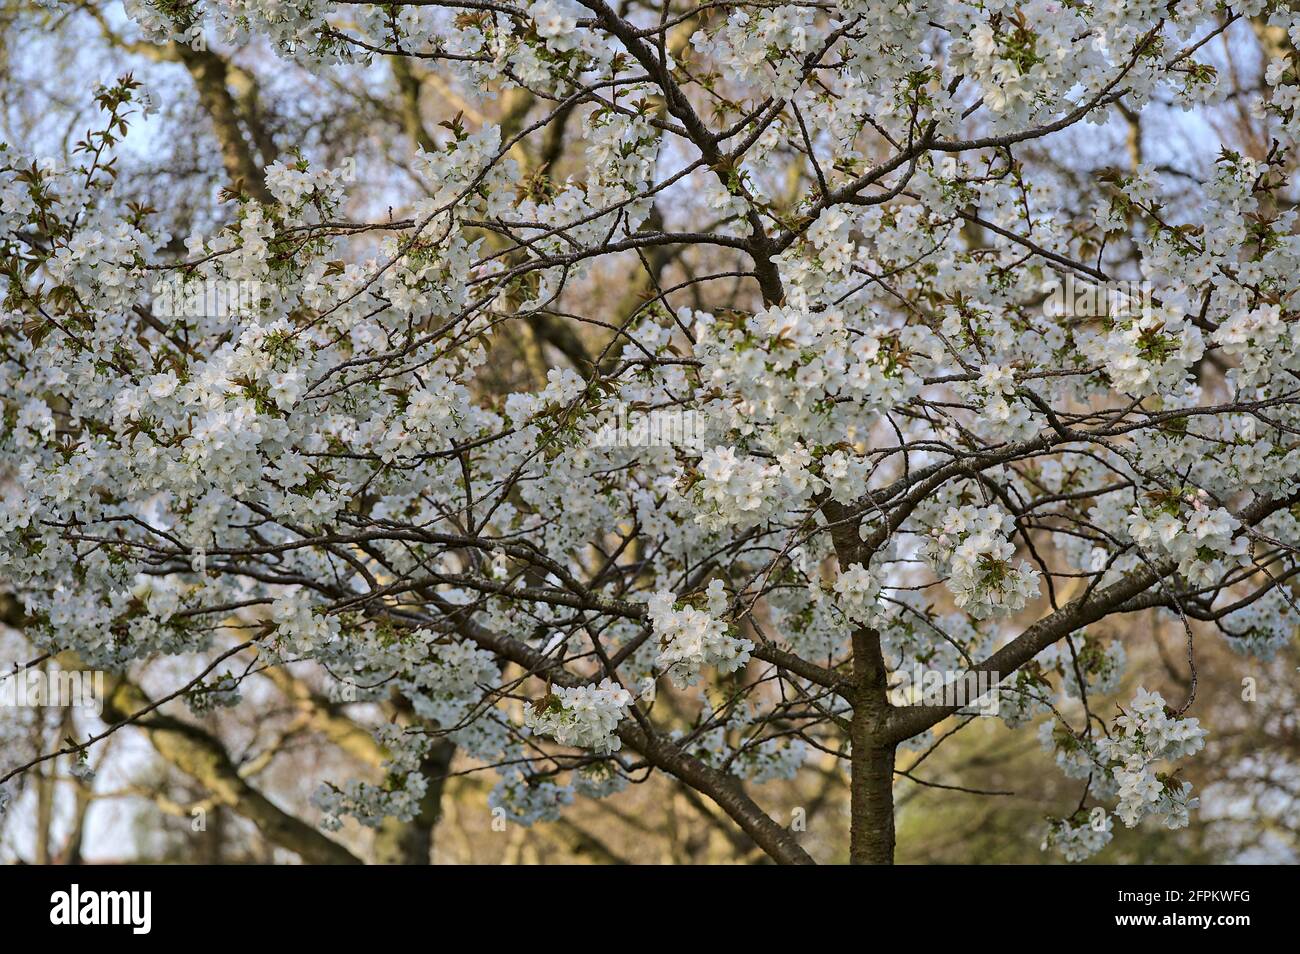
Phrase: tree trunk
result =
(411, 843)
(871, 839)
(871, 788)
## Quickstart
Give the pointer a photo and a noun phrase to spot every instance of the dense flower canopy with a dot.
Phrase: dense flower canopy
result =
(926, 430)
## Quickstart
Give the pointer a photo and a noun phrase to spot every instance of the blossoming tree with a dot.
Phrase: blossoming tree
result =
(952, 401)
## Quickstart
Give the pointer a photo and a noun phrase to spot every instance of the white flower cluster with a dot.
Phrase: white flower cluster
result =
(1189, 530)
(1079, 838)
(859, 592)
(1263, 627)
(300, 629)
(398, 797)
(1261, 341)
(764, 47)
(734, 490)
(1019, 70)
(690, 638)
(525, 799)
(1146, 354)
(1144, 735)
(993, 395)
(794, 382)
(598, 780)
(969, 545)
(295, 184)
(555, 22)
(582, 716)
(446, 679)
(1076, 756)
